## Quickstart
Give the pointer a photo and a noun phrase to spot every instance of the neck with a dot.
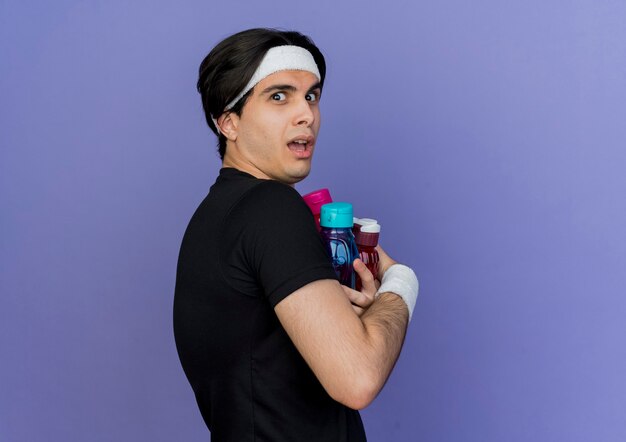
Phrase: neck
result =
(244, 166)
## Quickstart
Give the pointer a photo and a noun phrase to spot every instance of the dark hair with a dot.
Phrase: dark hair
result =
(230, 65)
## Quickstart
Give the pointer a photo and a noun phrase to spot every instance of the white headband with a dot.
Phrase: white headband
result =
(278, 58)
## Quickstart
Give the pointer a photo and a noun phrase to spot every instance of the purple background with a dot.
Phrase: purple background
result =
(488, 137)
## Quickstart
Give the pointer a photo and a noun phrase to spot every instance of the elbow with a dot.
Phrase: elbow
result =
(358, 402)
(357, 394)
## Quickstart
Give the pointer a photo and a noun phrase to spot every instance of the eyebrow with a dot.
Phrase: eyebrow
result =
(317, 85)
(288, 87)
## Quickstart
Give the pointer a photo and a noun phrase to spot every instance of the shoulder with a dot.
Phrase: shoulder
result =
(271, 197)
(270, 207)
(272, 189)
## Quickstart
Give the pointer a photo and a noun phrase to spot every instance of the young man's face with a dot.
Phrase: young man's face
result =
(277, 129)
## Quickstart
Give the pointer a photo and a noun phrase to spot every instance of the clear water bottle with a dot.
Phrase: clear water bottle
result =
(336, 231)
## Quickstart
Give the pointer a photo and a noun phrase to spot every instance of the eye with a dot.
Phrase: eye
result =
(312, 96)
(279, 96)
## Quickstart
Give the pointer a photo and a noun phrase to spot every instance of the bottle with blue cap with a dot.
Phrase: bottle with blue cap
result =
(336, 223)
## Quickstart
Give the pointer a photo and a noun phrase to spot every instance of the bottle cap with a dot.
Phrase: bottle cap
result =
(360, 222)
(371, 228)
(338, 215)
(368, 235)
(366, 221)
(316, 199)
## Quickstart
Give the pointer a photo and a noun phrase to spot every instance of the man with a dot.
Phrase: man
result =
(274, 347)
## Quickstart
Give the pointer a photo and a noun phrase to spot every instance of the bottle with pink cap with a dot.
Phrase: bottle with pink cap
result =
(315, 200)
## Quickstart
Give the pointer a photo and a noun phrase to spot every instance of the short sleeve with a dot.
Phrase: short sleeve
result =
(274, 242)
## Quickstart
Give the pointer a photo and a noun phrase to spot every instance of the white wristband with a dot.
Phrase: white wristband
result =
(401, 280)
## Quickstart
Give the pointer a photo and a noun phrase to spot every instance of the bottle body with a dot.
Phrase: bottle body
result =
(336, 231)
(370, 258)
(366, 238)
(343, 251)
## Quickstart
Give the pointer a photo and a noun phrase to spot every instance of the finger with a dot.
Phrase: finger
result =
(357, 297)
(358, 310)
(356, 300)
(368, 284)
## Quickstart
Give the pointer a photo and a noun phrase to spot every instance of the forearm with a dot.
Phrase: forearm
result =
(369, 353)
(385, 324)
(351, 356)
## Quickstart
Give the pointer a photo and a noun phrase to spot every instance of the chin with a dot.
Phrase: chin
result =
(297, 176)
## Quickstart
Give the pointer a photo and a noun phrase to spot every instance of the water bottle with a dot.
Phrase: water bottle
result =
(366, 239)
(315, 200)
(336, 231)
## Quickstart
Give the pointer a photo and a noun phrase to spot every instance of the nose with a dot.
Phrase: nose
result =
(304, 115)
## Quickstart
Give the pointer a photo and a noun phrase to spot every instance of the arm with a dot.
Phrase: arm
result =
(351, 356)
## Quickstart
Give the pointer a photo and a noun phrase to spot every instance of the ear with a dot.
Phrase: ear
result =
(228, 123)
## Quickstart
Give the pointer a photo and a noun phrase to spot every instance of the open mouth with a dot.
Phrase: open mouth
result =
(301, 146)
(298, 146)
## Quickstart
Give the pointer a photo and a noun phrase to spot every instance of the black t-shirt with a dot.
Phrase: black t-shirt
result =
(249, 245)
